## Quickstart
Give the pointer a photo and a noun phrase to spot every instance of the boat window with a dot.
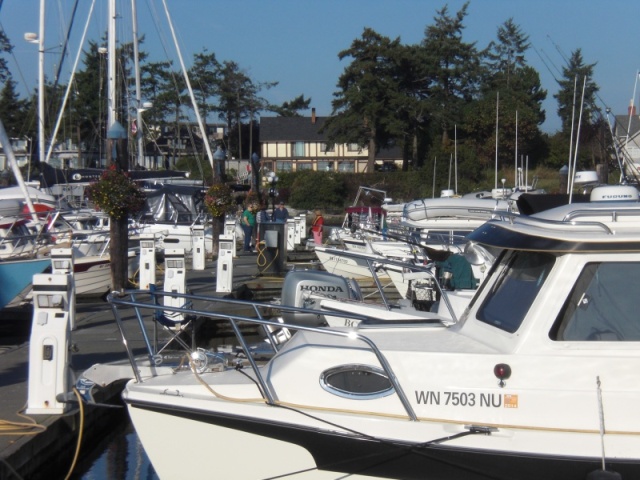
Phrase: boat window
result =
(511, 296)
(602, 305)
(363, 382)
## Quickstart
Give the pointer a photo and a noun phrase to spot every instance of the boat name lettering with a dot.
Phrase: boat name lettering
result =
(338, 259)
(466, 399)
(322, 288)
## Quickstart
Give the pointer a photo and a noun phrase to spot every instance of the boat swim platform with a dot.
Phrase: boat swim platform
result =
(46, 449)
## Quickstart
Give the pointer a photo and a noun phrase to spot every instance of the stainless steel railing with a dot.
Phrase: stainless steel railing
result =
(148, 305)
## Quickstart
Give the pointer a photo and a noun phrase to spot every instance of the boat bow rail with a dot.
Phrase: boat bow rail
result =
(148, 307)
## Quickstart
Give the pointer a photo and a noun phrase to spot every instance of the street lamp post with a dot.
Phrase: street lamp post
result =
(272, 179)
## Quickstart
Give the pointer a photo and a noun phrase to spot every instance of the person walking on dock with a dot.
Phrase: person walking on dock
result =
(248, 223)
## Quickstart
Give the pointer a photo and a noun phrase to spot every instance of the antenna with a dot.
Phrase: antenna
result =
(515, 173)
(575, 156)
(573, 114)
(455, 149)
(433, 189)
(497, 108)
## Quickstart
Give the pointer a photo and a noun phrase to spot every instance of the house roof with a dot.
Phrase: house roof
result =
(291, 129)
(622, 124)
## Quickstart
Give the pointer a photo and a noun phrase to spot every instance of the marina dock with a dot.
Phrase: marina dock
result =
(46, 449)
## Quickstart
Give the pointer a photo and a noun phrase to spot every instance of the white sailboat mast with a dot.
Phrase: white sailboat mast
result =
(41, 146)
(205, 138)
(111, 64)
(136, 67)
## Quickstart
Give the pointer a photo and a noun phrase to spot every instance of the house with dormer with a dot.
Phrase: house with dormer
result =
(289, 144)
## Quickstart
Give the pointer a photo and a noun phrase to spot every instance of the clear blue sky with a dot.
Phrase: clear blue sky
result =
(296, 42)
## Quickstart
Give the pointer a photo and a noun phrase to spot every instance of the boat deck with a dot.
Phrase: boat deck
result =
(30, 452)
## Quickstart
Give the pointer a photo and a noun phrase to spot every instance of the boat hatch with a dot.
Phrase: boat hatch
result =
(356, 382)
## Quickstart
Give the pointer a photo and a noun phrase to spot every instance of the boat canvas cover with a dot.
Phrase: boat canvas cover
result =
(174, 203)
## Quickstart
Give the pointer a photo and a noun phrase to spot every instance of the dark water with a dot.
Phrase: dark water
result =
(120, 456)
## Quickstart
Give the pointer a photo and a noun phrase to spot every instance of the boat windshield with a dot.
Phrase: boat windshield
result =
(513, 293)
(602, 306)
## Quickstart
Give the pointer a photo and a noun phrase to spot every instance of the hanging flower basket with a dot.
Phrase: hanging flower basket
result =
(116, 194)
(219, 200)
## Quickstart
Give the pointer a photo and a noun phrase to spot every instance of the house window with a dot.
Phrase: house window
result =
(325, 166)
(297, 149)
(353, 147)
(327, 147)
(346, 167)
(303, 166)
(284, 166)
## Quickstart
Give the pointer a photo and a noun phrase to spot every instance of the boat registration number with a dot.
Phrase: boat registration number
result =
(466, 399)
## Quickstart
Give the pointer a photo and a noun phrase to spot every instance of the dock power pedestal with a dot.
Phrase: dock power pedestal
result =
(49, 372)
(147, 260)
(175, 281)
(224, 267)
(198, 252)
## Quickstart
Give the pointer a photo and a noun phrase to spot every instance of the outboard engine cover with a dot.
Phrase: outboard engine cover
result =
(301, 287)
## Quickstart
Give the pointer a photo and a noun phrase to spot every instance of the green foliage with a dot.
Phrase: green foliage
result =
(219, 200)
(456, 70)
(198, 168)
(577, 79)
(324, 190)
(363, 108)
(13, 111)
(5, 47)
(291, 108)
(116, 194)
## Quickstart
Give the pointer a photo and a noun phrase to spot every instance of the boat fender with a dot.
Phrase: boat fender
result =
(603, 475)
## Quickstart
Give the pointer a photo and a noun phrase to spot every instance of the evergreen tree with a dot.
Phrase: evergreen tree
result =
(240, 99)
(204, 76)
(13, 110)
(506, 54)
(5, 47)
(364, 106)
(88, 105)
(412, 102)
(578, 93)
(292, 107)
(571, 84)
(456, 71)
(512, 90)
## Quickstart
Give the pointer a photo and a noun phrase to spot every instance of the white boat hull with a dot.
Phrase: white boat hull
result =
(350, 267)
(308, 436)
(92, 274)
(227, 443)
